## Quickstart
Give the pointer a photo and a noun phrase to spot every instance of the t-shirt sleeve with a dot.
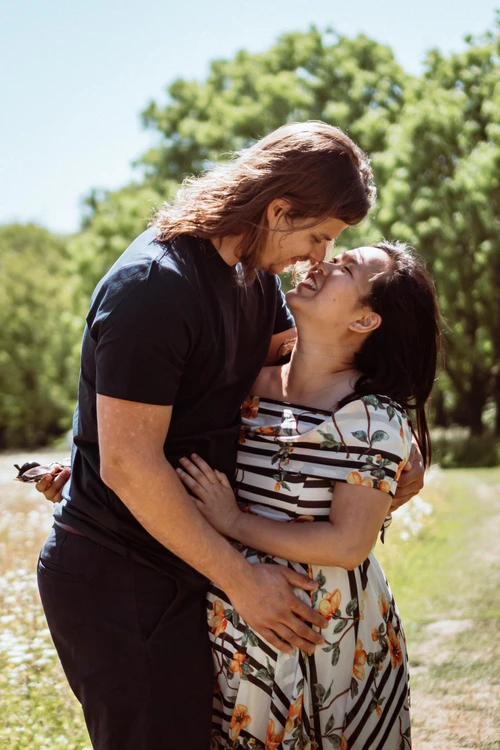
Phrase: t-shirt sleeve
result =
(283, 319)
(144, 335)
(367, 442)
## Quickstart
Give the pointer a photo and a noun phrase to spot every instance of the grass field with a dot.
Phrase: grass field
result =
(442, 557)
(447, 584)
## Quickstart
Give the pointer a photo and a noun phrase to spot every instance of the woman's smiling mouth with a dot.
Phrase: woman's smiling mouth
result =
(310, 281)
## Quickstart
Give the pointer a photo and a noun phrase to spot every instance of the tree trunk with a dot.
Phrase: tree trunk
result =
(496, 396)
(440, 415)
(469, 410)
(472, 394)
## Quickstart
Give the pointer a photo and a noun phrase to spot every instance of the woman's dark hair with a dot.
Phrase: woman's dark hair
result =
(314, 166)
(399, 358)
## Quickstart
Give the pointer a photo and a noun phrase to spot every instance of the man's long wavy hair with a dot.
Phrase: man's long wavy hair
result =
(314, 166)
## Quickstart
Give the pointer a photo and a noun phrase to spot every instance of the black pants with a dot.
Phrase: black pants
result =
(133, 643)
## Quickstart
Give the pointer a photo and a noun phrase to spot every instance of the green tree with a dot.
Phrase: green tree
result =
(39, 337)
(441, 191)
(353, 83)
(434, 143)
(111, 221)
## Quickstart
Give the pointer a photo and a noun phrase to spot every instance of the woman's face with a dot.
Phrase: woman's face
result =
(331, 292)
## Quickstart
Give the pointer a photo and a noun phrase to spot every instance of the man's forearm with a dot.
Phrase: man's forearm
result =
(156, 497)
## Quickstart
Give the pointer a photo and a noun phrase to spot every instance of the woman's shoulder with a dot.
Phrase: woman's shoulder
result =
(375, 418)
(373, 404)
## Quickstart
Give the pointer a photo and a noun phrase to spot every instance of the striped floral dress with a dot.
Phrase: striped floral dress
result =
(353, 693)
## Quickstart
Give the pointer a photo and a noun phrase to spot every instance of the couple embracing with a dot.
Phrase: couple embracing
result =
(209, 579)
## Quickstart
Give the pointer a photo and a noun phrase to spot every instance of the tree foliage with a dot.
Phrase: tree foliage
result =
(435, 147)
(112, 220)
(39, 337)
(441, 190)
(355, 84)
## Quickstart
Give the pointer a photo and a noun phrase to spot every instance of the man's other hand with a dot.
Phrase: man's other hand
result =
(411, 480)
(268, 604)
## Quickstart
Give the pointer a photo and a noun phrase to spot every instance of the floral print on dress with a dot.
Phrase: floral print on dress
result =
(239, 720)
(218, 622)
(250, 407)
(273, 738)
(352, 694)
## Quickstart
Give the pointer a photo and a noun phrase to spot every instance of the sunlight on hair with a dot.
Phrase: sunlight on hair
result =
(299, 271)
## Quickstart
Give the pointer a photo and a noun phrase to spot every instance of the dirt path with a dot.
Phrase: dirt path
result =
(455, 680)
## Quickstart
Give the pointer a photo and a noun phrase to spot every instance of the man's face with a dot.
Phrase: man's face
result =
(303, 239)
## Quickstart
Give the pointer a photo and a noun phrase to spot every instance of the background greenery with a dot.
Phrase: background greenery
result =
(434, 141)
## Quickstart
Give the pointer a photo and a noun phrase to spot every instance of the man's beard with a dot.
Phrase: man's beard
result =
(288, 266)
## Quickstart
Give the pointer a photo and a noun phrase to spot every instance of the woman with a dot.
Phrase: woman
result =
(323, 444)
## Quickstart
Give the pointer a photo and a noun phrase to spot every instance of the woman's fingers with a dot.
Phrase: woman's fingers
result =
(202, 473)
(196, 473)
(223, 479)
(190, 482)
(205, 469)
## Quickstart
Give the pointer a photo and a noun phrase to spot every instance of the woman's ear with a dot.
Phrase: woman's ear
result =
(366, 324)
(276, 212)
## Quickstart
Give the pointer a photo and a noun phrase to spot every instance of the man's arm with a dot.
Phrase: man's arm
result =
(131, 440)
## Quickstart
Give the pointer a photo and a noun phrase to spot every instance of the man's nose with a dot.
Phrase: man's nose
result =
(318, 254)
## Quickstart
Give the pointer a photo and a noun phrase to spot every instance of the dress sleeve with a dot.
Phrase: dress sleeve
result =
(367, 442)
(144, 338)
(283, 319)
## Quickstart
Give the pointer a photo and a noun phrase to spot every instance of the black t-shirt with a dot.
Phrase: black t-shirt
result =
(168, 324)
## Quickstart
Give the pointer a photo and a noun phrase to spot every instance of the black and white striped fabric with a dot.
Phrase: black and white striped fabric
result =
(353, 693)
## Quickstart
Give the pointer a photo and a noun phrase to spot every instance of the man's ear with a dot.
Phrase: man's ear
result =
(366, 323)
(276, 212)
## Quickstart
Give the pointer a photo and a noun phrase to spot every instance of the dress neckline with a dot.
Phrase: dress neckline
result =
(302, 407)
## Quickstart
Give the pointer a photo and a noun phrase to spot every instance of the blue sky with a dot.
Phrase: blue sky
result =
(77, 75)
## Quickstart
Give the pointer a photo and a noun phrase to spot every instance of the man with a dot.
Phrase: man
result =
(176, 334)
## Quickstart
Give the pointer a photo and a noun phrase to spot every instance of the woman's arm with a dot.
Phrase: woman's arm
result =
(356, 517)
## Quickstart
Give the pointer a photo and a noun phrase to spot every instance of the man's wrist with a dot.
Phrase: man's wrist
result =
(233, 578)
